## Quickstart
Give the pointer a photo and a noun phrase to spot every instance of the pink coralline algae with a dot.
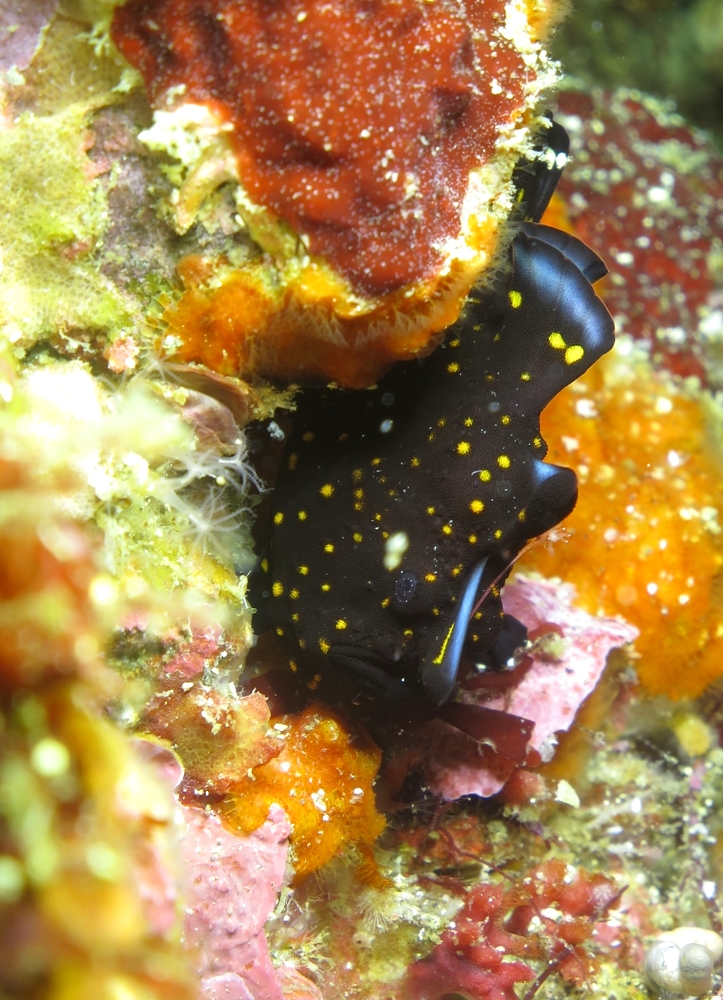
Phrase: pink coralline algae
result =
(547, 915)
(552, 690)
(228, 885)
(527, 707)
(232, 888)
(192, 657)
(646, 192)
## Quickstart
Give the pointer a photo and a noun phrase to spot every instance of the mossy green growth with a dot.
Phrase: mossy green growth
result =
(129, 462)
(53, 217)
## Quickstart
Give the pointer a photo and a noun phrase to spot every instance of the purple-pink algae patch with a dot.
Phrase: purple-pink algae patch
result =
(233, 884)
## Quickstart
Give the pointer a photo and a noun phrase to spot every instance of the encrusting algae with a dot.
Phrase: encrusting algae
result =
(54, 207)
(646, 191)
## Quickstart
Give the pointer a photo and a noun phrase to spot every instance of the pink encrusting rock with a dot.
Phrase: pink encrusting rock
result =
(232, 889)
(547, 690)
(22, 26)
(551, 692)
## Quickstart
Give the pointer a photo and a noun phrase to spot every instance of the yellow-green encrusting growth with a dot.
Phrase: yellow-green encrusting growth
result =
(173, 513)
(54, 209)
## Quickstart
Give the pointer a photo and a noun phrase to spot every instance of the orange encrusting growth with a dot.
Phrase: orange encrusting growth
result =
(323, 778)
(244, 325)
(646, 541)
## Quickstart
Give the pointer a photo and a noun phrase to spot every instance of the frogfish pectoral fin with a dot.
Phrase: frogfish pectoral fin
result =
(441, 662)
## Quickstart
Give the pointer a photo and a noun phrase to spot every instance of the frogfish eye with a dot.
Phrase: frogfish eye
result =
(405, 587)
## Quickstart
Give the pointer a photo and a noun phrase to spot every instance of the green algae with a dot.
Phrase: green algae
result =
(55, 210)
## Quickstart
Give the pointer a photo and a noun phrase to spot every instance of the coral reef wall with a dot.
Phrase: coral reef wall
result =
(186, 809)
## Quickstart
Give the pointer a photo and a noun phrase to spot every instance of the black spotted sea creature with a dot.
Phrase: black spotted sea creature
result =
(398, 508)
